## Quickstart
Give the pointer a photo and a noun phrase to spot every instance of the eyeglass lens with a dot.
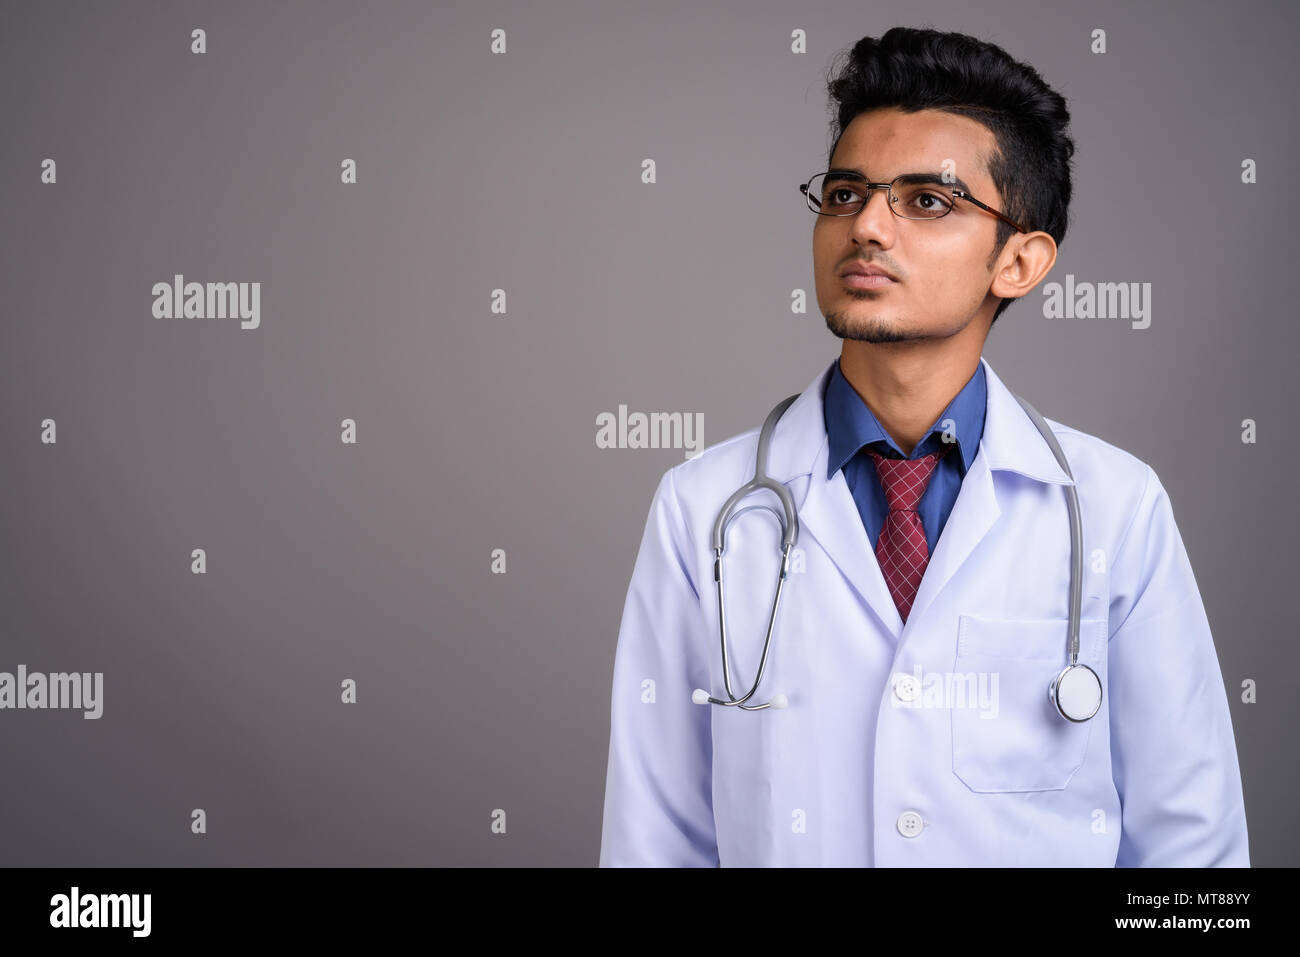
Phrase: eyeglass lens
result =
(844, 196)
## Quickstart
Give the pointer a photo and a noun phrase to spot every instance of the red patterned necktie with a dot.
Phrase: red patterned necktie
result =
(901, 549)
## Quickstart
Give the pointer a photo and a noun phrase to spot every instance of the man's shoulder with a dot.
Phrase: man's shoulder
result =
(704, 481)
(1113, 461)
(1108, 476)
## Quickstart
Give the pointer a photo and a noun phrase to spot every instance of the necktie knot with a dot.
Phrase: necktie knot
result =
(904, 480)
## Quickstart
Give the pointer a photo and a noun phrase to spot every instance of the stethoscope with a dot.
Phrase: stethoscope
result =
(1075, 691)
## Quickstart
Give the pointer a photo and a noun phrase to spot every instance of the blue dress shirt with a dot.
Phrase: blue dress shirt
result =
(852, 429)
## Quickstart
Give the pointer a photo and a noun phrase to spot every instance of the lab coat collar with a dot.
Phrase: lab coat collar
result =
(1010, 441)
(800, 447)
(851, 425)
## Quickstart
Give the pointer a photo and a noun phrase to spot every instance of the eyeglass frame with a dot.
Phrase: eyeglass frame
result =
(890, 199)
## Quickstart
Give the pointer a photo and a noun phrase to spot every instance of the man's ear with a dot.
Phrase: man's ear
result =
(1023, 263)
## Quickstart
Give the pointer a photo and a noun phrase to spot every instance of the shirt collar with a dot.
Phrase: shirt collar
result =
(850, 425)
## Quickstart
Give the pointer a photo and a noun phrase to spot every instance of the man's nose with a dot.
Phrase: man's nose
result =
(874, 217)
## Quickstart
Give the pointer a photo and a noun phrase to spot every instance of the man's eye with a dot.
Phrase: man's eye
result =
(926, 200)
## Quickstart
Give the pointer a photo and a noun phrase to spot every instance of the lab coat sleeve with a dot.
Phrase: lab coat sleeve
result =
(658, 789)
(1174, 759)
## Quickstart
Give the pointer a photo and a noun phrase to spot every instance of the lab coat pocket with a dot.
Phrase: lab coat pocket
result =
(1015, 740)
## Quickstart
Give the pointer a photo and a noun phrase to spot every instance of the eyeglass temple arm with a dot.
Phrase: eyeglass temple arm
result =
(961, 193)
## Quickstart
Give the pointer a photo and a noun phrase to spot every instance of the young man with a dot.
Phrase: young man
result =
(925, 612)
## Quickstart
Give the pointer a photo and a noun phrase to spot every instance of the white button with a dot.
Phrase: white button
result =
(910, 824)
(907, 687)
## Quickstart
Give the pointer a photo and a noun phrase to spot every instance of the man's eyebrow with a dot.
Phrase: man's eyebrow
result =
(907, 178)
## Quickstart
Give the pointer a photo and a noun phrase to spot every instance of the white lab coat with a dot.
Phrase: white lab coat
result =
(853, 773)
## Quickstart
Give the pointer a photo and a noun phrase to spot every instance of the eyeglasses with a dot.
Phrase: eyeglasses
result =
(911, 196)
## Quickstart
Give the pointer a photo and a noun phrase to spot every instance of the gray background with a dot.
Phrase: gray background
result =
(477, 431)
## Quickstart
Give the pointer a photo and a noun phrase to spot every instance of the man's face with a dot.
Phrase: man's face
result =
(941, 265)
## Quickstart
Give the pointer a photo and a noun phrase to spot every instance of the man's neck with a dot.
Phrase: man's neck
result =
(907, 386)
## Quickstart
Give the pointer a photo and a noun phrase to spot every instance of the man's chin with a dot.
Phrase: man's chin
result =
(868, 329)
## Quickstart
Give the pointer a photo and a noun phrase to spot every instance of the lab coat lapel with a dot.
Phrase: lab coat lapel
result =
(800, 447)
(1010, 442)
(831, 516)
(973, 514)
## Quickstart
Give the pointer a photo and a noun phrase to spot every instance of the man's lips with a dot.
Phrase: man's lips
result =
(866, 269)
(866, 277)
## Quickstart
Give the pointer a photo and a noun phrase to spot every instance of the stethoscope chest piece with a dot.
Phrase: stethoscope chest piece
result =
(1076, 692)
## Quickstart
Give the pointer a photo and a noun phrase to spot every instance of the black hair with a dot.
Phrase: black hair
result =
(918, 69)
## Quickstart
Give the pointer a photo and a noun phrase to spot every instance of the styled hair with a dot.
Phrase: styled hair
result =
(922, 69)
